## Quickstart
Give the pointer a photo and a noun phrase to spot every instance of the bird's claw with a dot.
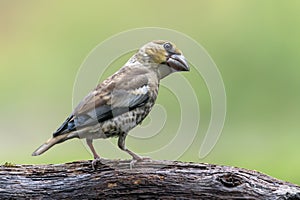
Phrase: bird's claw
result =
(138, 159)
(94, 162)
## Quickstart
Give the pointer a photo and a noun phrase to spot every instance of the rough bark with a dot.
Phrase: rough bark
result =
(145, 180)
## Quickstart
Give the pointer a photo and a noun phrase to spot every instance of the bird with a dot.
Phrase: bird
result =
(122, 101)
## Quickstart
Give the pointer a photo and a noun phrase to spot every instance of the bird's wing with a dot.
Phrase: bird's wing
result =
(120, 93)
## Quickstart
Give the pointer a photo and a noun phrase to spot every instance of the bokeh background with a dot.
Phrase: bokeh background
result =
(255, 45)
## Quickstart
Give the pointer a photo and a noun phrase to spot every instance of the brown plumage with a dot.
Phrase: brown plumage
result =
(121, 101)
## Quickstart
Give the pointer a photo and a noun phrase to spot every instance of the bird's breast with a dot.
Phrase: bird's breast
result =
(123, 123)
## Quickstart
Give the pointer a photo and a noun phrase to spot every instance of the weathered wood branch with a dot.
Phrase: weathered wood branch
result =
(149, 180)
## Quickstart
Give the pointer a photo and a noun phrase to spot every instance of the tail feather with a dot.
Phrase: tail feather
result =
(51, 142)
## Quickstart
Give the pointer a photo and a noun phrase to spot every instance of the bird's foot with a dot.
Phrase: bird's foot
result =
(94, 162)
(138, 159)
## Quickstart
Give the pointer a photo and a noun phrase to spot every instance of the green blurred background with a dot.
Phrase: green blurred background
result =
(255, 44)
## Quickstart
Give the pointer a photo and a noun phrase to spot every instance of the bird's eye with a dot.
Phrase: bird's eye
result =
(168, 46)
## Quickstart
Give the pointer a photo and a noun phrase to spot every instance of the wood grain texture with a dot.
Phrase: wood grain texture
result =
(146, 180)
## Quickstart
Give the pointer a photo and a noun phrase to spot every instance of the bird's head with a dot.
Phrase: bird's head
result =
(163, 56)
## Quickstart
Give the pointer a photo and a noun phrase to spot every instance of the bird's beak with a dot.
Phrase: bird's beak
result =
(178, 63)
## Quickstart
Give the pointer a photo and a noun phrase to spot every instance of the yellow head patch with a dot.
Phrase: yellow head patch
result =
(159, 50)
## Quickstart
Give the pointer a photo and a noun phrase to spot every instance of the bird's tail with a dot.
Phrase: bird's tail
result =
(51, 142)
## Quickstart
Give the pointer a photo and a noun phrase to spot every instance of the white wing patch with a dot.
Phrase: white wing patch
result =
(141, 90)
(122, 98)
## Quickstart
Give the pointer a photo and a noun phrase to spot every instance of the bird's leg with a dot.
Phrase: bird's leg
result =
(96, 156)
(90, 144)
(121, 144)
(135, 157)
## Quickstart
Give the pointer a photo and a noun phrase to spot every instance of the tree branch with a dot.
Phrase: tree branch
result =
(149, 180)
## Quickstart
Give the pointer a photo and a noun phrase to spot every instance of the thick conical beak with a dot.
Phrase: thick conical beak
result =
(178, 63)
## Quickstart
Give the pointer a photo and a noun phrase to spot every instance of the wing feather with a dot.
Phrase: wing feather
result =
(120, 93)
